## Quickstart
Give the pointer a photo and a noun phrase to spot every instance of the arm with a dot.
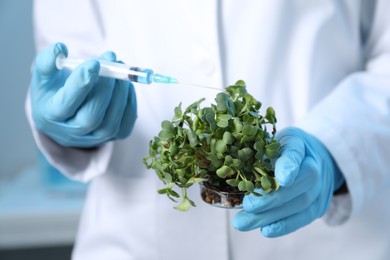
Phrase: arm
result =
(346, 133)
(65, 117)
(356, 117)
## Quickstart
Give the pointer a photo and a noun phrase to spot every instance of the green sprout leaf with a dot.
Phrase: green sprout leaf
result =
(233, 182)
(225, 171)
(237, 125)
(193, 107)
(249, 186)
(245, 154)
(220, 146)
(178, 114)
(237, 163)
(270, 115)
(242, 186)
(166, 134)
(272, 150)
(227, 138)
(223, 120)
(249, 130)
(193, 138)
(265, 183)
(167, 125)
(184, 205)
(228, 160)
(195, 180)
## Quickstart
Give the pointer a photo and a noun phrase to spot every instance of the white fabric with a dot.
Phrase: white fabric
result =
(323, 65)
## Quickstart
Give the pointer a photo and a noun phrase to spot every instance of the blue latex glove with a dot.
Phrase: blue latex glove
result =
(79, 108)
(308, 177)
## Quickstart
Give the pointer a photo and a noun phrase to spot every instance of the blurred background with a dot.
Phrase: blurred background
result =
(39, 208)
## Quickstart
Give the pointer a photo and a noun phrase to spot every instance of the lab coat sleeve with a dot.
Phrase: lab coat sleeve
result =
(77, 164)
(76, 24)
(353, 122)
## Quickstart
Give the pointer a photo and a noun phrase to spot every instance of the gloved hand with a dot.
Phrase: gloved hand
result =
(79, 108)
(308, 177)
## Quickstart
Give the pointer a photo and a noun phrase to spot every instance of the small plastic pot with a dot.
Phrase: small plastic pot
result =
(221, 199)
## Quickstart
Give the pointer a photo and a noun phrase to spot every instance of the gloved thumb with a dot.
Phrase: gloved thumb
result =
(293, 152)
(45, 62)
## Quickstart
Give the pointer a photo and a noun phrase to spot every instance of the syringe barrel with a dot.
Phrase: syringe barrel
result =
(111, 70)
(124, 72)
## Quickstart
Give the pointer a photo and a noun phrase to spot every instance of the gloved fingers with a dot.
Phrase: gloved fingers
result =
(110, 125)
(77, 87)
(62, 134)
(68, 140)
(59, 133)
(130, 113)
(108, 56)
(270, 208)
(291, 157)
(245, 221)
(307, 179)
(100, 118)
(74, 104)
(90, 115)
(112, 120)
(291, 223)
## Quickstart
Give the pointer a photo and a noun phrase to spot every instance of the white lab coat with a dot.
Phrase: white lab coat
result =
(323, 65)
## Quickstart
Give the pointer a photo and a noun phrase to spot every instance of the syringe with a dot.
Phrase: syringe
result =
(118, 71)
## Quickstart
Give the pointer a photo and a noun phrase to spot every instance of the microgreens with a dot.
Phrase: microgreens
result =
(226, 143)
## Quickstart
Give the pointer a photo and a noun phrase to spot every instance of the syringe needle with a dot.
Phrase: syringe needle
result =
(200, 86)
